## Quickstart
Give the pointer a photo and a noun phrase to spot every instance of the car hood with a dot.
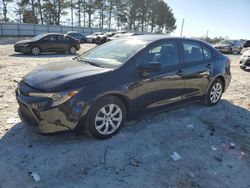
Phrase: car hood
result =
(221, 45)
(62, 76)
(24, 41)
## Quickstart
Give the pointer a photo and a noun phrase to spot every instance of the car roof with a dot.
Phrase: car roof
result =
(46, 34)
(155, 37)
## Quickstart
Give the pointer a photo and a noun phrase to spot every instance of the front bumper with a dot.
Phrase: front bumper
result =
(245, 62)
(22, 49)
(38, 115)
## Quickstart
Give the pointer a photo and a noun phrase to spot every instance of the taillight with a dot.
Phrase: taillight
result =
(78, 42)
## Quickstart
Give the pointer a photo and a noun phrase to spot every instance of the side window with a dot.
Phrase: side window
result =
(207, 52)
(192, 52)
(166, 54)
(51, 38)
(60, 38)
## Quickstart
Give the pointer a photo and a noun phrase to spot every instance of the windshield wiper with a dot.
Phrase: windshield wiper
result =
(76, 58)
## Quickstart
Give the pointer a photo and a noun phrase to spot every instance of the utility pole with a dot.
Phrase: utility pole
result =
(182, 26)
(72, 22)
(207, 34)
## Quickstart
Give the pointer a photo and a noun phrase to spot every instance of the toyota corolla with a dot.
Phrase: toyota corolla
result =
(99, 90)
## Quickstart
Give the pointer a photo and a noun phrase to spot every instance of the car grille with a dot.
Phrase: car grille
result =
(27, 115)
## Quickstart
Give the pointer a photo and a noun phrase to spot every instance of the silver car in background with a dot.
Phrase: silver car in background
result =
(229, 46)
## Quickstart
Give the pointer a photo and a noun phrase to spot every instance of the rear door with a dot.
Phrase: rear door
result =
(156, 89)
(198, 61)
(62, 43)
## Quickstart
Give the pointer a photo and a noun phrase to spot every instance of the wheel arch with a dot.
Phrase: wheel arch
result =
(221, 77)
(121, 97)
(223, 81)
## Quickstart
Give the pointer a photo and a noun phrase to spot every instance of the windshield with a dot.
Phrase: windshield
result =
(113, 54)
(226, 42)
(38, 37)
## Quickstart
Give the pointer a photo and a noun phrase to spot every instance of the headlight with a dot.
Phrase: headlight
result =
(58, 98)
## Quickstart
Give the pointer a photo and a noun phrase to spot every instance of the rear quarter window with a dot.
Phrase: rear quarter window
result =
(192, 51)
(207, 52)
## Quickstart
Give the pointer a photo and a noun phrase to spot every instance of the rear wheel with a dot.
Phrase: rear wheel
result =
(35, 50)
(106, 117)
(72, 50)
(214, 93)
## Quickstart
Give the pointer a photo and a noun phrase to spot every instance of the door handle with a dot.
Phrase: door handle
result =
(180, 73)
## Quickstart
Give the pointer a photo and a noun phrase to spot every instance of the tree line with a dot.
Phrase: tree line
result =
(139, 15)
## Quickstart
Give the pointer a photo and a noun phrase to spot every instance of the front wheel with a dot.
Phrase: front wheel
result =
(35, 50)
(72, 50)
(214, 93)
(106, 117)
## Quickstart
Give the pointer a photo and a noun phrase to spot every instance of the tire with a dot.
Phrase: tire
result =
(214, 93)
(72, 50)
(35, 50)
(103, 124)
(230, 51)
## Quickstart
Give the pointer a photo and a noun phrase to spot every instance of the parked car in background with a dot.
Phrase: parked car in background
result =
(246, 44)
(120, 80)
(77, 35)
(117, 35)
(51, 42)
(92, 38)
(229, 46)
(131, 34)
(103, 38)
(245, 60)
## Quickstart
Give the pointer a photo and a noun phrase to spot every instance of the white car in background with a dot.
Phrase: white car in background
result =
(245, 60)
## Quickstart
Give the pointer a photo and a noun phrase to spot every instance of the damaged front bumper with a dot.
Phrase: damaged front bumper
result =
(38, 114)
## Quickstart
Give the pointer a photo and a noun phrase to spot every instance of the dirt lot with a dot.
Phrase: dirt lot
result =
(140, 155)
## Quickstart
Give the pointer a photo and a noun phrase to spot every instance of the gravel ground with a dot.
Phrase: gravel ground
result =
(213, 142)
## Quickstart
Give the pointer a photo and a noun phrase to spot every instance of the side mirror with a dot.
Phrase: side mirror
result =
(150, 67)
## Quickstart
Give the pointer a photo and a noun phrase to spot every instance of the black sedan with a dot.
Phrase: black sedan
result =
(52, 42)
(120, 80)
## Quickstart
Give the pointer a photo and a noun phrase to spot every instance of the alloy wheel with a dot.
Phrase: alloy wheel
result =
(72, 50)
(216, 92)
(35, 51)
(108, 119)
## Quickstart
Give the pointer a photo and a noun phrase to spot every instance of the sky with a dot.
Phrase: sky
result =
(226, 18)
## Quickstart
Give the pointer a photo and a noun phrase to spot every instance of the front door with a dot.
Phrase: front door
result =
(156, 89)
